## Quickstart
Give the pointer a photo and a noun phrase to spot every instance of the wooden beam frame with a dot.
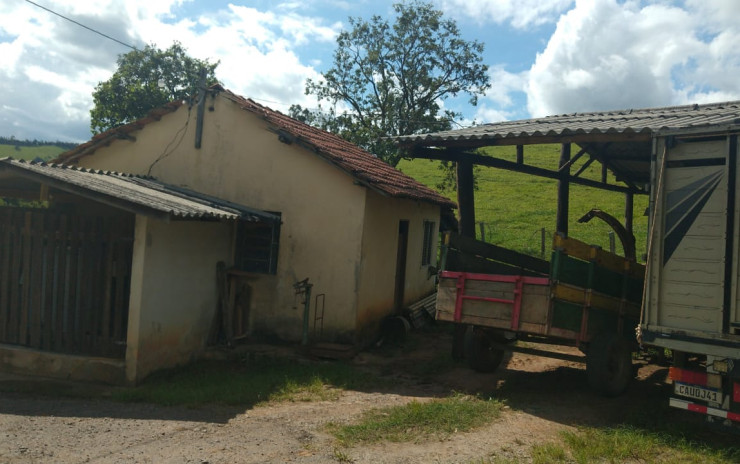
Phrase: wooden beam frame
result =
(481, 160)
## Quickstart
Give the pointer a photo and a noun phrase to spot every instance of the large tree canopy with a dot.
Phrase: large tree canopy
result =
(393, 78)
(146, 79)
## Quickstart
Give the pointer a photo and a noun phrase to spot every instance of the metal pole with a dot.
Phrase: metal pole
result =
(306, 313)
(201, 107)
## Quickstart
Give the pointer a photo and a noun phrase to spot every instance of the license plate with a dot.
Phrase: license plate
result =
(698, 393)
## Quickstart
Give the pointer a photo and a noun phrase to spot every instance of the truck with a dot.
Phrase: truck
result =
(691, 306)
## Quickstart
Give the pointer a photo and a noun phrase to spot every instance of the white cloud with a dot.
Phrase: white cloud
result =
(606, 54)
(49, 67)
(520, 13)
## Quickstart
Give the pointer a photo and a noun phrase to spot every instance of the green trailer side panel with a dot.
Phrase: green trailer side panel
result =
(601, 320)
(566, 315)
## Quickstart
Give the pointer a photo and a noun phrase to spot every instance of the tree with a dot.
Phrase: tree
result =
(394, 77)
(146, 79)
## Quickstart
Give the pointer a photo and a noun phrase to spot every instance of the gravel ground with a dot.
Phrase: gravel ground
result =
(544, 396)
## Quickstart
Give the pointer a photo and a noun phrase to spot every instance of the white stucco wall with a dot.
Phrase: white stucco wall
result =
(379, 251)
(242, 161)
(174, 294)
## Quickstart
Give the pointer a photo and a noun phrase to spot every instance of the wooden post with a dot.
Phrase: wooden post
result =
(466, 205)
(629, 211)
(563, 190)
(520, 154)
(466, 198)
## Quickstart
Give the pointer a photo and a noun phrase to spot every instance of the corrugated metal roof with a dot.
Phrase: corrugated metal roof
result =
(628, 122)
(621, 140)
(143, 194)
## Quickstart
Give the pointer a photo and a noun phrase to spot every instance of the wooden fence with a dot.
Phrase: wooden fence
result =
(64, 281)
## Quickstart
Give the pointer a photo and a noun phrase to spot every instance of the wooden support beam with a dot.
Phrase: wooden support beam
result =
(489, 161)
(629, 212)
(563, 189)
(584, 167)
(604, 172)
(572, 160)
(466, 198)
(520, 154)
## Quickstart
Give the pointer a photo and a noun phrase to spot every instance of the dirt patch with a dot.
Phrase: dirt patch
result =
(544, 396)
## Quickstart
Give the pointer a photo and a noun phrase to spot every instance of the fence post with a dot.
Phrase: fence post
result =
(612, 244)
(542, 242)
(482, 227)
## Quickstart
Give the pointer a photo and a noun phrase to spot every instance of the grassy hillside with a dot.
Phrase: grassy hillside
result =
(45, 152)
(515, 207)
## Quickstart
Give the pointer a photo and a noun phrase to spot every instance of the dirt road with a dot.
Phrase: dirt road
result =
(543, 396)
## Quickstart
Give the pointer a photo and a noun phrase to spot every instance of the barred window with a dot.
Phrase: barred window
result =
(257, 247)
(426, 251)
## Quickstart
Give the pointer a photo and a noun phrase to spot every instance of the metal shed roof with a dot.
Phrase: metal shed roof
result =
(622, 139)
(626, 122)
(141, 195)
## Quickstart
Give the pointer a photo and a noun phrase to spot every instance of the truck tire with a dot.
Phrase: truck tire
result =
(609, 364)
(479, 351)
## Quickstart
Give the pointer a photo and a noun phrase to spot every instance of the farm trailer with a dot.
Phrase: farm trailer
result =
(585, 297)
(691, 304)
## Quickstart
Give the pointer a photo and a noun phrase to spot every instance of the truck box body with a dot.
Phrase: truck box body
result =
(691, 296)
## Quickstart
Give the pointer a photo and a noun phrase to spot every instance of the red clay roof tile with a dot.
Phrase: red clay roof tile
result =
(360, 164)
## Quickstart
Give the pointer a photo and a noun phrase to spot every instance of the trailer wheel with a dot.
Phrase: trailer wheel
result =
(609, 364)
(480, 352)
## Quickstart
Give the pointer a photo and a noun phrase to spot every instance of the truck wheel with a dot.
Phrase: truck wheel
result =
(609, 364)
(480, 353)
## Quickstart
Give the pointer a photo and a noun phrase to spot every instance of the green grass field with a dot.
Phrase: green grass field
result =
(514, 207)
(45, 152)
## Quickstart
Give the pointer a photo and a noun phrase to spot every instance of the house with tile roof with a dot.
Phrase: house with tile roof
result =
(361, 234)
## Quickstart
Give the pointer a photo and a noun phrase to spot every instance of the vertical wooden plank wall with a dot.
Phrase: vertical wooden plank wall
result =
(64, 281)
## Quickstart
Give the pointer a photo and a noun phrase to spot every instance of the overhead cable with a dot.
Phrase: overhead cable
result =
(82, 25)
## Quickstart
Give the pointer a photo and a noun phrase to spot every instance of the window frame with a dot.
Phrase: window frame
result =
(429, 228)
(246, 257)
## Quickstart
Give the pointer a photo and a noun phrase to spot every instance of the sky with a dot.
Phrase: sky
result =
(544, 56)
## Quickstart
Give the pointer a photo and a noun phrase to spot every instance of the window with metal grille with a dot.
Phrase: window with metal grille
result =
(257, 247)
(426, 252)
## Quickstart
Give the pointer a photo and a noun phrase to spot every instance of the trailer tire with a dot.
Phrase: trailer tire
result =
(609, 364)
(480, 353)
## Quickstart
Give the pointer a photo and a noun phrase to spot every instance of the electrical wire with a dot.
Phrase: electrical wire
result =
(167, 151)
(82, 25)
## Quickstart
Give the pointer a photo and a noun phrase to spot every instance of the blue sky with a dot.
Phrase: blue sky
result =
(544, 56)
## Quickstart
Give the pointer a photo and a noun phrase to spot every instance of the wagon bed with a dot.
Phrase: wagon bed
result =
(589, 298)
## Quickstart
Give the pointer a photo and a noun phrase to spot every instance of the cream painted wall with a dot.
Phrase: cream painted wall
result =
(242, 161)
(173, 291)
(379, 251)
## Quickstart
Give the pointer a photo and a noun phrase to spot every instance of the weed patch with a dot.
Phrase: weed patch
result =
(629, 444)
(246, 383)
(417, 421)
